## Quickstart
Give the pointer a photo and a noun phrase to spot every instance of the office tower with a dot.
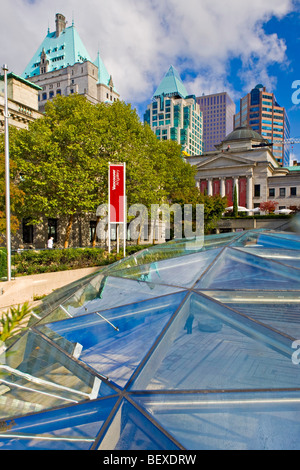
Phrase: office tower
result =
(175, 115)
(260, 110)
(62, 66)
(218, 111)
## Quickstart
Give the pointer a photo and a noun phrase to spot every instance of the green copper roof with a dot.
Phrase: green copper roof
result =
(17, 77)
(61, 51)
(103, 76)
(171, 85)
(293, 168)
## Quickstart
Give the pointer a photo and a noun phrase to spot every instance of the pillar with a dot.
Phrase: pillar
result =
(209, 187)
(249, 192)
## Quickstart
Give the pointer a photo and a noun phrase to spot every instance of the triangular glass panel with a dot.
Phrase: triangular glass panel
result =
(131, 430)
(235, 269)
(182, 272)
(35, 375)
(278, 310)
(209, 346)
(268, 239)
(287, 257)
(113, 342)
(108, 292)
(67, 428)
(231, 421)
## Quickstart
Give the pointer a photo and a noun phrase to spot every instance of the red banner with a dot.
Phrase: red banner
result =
(203, 186)
(243, 192)
(216, 187)
(229, 191)
(116, 193)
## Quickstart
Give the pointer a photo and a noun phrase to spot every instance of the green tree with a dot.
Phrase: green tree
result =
(63, 159)
(58, 159)
(16, 197)
(214, 206)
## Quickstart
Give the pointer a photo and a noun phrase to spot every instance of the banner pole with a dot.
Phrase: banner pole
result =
(125, 211)
(108, 207)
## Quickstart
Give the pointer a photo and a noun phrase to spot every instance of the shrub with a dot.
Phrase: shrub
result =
(10, 322)
(36, 262)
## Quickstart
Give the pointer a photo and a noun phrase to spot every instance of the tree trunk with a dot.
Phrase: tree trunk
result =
(68, 231)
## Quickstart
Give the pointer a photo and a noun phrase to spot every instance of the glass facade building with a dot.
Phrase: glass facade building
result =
(260, 110)
(175, 115)
(218, 111)
(192, 344)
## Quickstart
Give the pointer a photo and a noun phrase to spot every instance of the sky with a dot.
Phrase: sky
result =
(216, 45)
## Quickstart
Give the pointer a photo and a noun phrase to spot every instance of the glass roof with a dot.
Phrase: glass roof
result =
(184, 345)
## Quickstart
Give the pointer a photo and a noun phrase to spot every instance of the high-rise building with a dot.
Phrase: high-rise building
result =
(62, 66)
(260, 110)
(218, 111)
(175, 115)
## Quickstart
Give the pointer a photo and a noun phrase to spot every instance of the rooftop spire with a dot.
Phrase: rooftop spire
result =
(171, 85)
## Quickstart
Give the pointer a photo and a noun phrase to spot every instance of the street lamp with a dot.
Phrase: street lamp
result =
(7, 182)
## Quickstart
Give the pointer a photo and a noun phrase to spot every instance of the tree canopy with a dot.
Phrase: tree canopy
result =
(16, 197)
(63, 159)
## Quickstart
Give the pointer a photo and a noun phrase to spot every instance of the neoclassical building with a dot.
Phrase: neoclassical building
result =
(22, 100)
(245, 160)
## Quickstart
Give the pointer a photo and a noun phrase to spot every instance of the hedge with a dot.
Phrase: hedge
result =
(45, 261)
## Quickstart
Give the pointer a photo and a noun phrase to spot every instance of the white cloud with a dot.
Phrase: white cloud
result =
(140, 39)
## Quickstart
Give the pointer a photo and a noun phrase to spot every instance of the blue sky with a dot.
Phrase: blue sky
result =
(216, 45)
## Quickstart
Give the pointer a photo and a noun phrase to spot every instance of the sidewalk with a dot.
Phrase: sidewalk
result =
(26, 288)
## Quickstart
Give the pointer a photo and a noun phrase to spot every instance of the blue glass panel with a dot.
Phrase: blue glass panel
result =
(231, 421)
(69, 428)
(108, 292)
(279, 310)
(284, 256)
(114, 341)
(35, 375)
(130, 430)
(278, 242)
(182, 272)
(209, 346)
(268, 239)
(235, 269)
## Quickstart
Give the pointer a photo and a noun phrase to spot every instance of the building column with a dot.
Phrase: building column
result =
(249, 196)
(236, 185)
(222, 186)
(209, 187)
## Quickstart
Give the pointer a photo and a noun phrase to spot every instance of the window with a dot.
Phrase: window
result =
(282, 192)
(271, 192)
(293, 191)
(257, 190)
(93, 226)
(52, 229)
(51, 94)
(58, 92)
(27, 232)
(44, 96)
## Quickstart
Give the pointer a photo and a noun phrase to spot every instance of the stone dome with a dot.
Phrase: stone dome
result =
(244, 133)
